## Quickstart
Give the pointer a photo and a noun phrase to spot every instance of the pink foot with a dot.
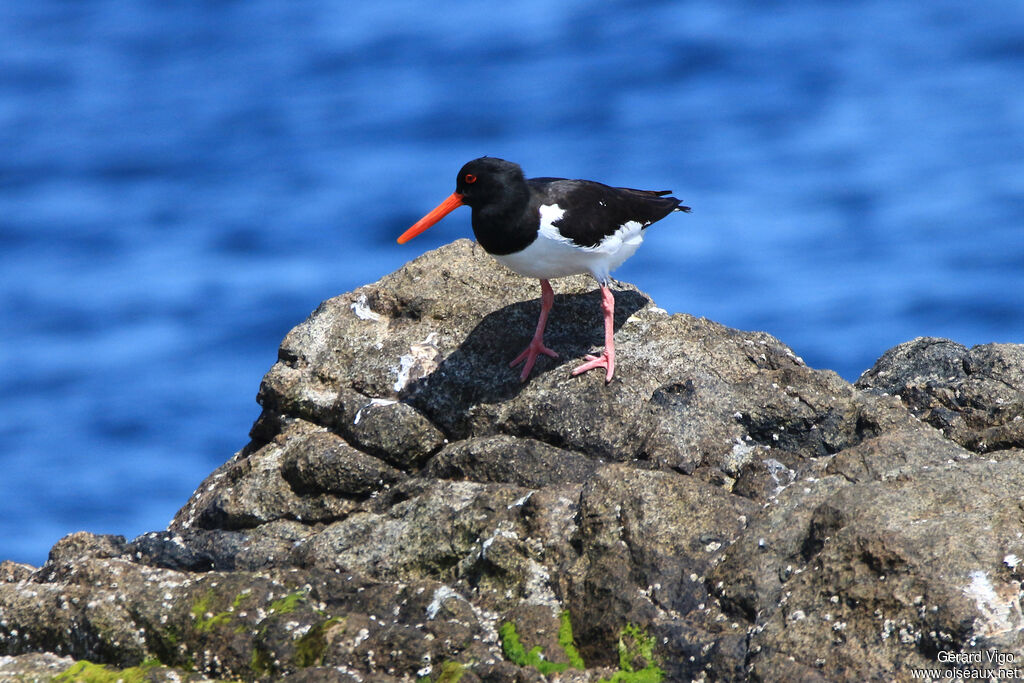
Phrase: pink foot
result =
(536, 347)
(605, 360)
(530, 354)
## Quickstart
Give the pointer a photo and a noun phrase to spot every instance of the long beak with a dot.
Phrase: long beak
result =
(443, 209)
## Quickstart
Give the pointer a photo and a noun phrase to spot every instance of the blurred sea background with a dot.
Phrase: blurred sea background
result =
(182, 183)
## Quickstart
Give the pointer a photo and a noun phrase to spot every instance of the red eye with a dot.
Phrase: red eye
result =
(470, 178)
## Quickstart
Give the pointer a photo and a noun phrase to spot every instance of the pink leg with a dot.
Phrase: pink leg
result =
(607, 359)
(536, 347)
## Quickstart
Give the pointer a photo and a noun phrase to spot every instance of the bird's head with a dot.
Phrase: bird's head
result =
(479, 182)
(485, 180)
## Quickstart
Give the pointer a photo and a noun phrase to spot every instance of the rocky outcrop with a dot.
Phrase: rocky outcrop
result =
(407, 510)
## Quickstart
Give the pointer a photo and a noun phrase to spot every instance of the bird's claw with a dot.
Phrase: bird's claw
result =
(605, 360)
(529, 355)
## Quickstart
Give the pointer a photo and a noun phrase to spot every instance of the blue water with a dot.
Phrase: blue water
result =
(181, 183)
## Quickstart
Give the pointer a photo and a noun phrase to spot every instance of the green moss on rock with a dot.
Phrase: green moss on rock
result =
(568, 642)
(288, 603)
(517, 654)
(309, 649)
(637, 663)
(261, 661)
(87, 672)
(451, 672)
(202, 608)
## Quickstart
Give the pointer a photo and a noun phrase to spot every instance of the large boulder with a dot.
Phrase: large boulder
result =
(406, 509)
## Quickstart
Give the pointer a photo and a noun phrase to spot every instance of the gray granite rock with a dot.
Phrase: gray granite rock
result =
(404, 497)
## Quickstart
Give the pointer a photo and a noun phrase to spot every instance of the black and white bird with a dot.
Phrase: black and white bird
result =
(553, 227)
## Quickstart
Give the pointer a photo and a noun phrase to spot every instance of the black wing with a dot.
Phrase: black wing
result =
(594, 211)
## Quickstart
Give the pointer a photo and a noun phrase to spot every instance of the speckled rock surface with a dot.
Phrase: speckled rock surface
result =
(403, 499)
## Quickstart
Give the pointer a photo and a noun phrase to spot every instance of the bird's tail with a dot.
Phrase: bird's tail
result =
(662, 193)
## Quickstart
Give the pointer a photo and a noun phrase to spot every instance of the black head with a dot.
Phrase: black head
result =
(488, 180)
(488, 185)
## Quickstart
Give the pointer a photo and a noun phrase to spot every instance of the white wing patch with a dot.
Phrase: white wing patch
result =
(549, 213)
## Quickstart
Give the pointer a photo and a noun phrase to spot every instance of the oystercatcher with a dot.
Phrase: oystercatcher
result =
(553, 227)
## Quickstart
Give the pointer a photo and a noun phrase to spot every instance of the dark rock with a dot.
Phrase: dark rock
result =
(396, 432)
(896, 454)
(657, 534)
(198, 550)
(975, 396)
(323, 463)
(505, 459)
(251, 489)
(404, 495)
(84, 544)
(890, 573)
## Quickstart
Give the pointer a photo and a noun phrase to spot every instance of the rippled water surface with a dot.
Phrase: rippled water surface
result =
(181, 183)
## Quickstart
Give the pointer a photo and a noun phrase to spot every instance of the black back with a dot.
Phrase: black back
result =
(506, 206)
(593, 211)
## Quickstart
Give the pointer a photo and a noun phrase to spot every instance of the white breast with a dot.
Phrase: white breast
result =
(551, 255)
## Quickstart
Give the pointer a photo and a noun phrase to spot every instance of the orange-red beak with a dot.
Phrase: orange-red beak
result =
(443, 209)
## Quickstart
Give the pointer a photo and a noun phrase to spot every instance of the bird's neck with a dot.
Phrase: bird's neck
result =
(507, 225)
